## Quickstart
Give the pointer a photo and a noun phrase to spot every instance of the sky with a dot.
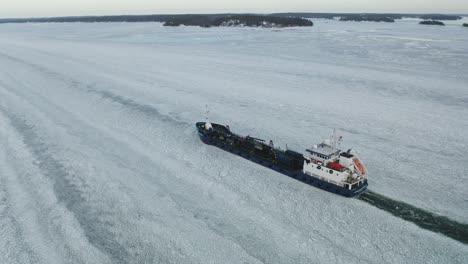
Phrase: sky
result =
(45, 8)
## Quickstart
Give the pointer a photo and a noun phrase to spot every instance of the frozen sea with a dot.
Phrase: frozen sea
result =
(100, 161)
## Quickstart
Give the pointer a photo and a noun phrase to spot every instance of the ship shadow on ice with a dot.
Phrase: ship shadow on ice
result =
(423, 219)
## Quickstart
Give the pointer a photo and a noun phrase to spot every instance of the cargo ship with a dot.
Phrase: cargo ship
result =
(324, 166)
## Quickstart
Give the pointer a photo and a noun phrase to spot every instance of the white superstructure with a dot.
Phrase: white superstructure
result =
(327, 163)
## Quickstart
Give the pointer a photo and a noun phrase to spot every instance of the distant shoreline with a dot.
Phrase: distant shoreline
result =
(288, 19)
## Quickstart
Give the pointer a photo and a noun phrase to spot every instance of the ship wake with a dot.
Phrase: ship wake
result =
(423, 219)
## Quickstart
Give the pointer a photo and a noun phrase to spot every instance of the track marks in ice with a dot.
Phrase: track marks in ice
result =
(14, 247)
(46, 226)
(145, 109)
(55, 168)
(70, 191)
(113, 110)
(71, 82)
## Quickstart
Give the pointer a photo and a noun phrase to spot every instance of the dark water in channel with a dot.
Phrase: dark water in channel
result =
(420, 217)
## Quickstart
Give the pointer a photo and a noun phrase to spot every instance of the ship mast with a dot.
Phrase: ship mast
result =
(335, 139)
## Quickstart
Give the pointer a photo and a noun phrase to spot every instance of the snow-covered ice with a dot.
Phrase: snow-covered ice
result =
(100, 161)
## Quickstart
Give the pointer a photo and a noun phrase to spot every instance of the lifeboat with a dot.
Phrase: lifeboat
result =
(358, 164)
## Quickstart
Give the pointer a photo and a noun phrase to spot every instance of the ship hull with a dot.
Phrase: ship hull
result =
(295, 174)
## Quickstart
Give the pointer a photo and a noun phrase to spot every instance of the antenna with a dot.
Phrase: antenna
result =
(340, 139)
(332, 139)
(207, 113)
